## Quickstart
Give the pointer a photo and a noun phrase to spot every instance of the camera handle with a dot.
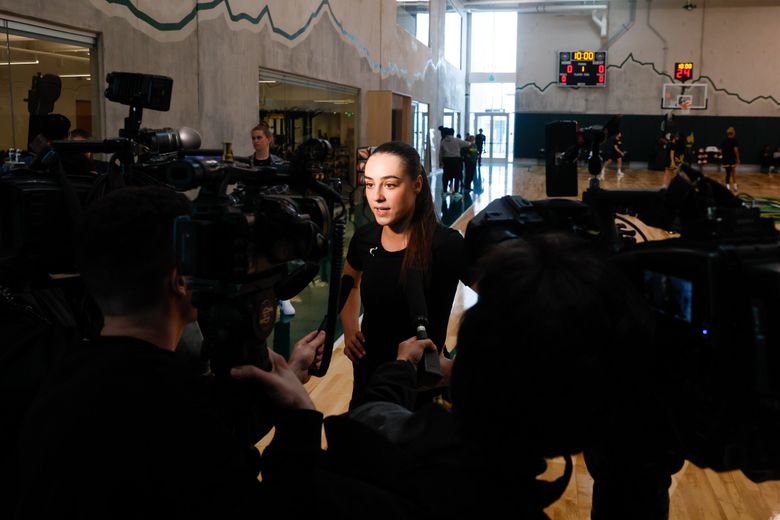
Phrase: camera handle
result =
(132, 121)
(329, 323)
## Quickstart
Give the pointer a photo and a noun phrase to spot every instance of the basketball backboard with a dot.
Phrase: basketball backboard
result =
(684, 97)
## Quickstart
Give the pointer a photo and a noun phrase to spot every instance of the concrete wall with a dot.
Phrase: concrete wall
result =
(213, 52)
(735, 47)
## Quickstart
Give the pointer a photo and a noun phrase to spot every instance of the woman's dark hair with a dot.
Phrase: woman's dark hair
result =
(418, 250)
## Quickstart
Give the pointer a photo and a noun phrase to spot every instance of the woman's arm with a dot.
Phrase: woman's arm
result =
(456, 252)
(350, 314)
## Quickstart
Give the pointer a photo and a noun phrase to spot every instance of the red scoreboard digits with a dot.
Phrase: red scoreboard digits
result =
(582, 69)
(683, 71)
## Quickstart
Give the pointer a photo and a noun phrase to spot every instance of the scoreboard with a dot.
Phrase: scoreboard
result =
(683, 71)
(582, 69)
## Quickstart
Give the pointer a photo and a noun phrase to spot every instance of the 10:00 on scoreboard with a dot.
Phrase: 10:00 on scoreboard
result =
(582, 69)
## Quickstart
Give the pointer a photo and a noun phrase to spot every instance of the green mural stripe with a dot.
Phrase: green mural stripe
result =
(161, 26)
(255, 20)
(234, 16)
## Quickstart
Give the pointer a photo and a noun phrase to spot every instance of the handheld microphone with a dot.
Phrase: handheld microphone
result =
(429, 370)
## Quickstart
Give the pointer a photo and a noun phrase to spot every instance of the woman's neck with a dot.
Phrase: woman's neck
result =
(395, 238)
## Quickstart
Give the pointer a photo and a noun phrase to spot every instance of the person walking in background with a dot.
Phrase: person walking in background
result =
(450, 155)
(675, 154)
(616, 153)
(730, 150)
(480, 141)
(470, 158)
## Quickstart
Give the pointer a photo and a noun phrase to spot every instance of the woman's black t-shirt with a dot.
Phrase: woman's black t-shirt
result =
(619, 143)
(386, 319)
(728, 148)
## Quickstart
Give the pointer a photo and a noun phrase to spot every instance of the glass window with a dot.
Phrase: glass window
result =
(492, 97)
(452, 34)
(494, 42)
(419, 127)
(29, 49)
(414, 16)
(451, 119)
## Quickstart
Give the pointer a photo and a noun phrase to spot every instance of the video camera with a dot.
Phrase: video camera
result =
(246, 225)
(714, 290)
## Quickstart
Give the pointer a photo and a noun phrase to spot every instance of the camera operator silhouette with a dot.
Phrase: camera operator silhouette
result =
(123, 429)
(548, 305)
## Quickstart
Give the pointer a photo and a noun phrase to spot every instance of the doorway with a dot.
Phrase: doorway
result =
(495, 126)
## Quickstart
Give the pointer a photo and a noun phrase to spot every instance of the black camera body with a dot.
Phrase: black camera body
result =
(715, 293)
(142, 90)
(246, 225)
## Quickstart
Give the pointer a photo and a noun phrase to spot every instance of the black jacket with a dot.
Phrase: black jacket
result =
(123, 430)
(421, 456)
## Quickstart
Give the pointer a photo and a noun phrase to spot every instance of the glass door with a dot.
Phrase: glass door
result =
(499, 137)
(496, 130)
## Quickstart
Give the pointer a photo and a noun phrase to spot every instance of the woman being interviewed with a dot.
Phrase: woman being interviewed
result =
(406, 237)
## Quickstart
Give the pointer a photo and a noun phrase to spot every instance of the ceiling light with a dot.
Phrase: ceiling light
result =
(267, 81)
(689, 6)
(335, 101)
(75, 75)
(36, 62)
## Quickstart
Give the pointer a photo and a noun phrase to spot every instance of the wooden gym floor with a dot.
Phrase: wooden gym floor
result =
(695, 493)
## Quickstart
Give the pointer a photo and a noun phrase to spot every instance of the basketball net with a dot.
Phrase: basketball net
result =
(685, 106)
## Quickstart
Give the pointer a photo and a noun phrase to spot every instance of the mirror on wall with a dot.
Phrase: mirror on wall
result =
(27, 50)
(297, 108)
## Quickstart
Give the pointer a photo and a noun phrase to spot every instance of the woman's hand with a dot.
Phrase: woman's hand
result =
(354, 341)
(354, 345)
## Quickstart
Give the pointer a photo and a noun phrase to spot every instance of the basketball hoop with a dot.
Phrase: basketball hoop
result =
(684, 97)
(684, 104)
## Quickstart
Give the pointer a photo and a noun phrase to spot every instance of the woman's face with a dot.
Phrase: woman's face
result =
(389, 190)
